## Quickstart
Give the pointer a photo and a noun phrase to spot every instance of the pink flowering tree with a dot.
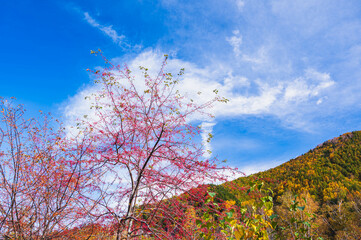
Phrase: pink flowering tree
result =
(147, 152)
(42, 176)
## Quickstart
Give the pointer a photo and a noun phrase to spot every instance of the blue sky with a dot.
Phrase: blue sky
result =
(291, 69)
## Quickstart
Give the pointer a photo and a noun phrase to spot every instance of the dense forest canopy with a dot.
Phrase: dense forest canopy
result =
(328, 177)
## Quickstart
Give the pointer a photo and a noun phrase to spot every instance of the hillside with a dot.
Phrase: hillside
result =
(328, 177)
(316, 195)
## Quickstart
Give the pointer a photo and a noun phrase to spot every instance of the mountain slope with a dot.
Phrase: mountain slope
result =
(328, 177)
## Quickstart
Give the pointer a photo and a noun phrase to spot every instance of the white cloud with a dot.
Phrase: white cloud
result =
(76, 107)
(235, 41)
(284, 96)
(207, 128)
(319, 101)
(284, 99)
(107, 30)
(231, 82)
(310, 85)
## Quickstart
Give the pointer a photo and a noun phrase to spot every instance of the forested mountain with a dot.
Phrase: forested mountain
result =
(326, 181)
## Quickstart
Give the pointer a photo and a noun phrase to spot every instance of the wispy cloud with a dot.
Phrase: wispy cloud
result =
(235, 41)
(207, 128)
(107, 30)
(279, 99)
(284, 100)
(310, 85)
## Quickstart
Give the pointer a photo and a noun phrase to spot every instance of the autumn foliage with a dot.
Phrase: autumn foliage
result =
(41, 176)
(325, 183)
